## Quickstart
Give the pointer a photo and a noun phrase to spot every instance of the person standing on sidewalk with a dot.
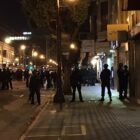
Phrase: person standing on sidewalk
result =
(125, 78)
(9, 78)
(26, 77)
(75, 80)
(34, 86)
(105, 82)
(120, 73)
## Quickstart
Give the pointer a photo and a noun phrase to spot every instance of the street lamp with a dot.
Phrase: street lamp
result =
(72, 46)
(35, 54)
(42, 57)
(59, 96)
(23, 47)
(17, 60)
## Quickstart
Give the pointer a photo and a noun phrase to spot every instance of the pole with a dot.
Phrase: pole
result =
(2, 55)
(59, 96)
(23, 58)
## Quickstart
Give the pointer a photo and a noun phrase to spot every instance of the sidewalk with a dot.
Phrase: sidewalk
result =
(91, 120)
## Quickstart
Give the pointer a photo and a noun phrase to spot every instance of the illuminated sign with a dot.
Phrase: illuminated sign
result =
(18, 38)
(27, 33)
(113, 29)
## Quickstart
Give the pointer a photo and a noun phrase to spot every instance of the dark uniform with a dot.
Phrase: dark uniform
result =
(125, 80)
(75, 80)
(120, 73)
(105, 82)
(9, 78)
(34, 86)
(26, 77)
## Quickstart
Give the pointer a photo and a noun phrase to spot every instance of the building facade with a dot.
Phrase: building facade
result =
(6, 55)
(127, 50)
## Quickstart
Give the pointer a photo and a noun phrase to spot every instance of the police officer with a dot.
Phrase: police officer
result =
(34, 86)
(120, 73)
(75, 80)
(105, 82)
(125, 80)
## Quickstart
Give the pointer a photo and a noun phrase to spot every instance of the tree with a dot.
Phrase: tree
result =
(42, 13)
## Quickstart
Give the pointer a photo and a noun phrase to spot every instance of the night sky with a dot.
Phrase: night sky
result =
(12, 17)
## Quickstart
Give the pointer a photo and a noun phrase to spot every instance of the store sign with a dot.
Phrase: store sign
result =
(87, 46)
(18, 38)
(113, 29)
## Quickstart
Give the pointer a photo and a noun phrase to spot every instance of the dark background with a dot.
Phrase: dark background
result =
(12, 18)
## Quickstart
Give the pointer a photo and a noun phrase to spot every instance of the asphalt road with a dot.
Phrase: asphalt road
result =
(16, 113)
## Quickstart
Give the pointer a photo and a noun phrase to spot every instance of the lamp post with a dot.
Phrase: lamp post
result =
(59, 96)
(42, 57)
(23, 47)
(17, 60)
(35, 54)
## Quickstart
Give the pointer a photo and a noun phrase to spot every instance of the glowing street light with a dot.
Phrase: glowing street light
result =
(42, 56)
(22, 48)
(35, 54)
(72, 46)
(17, 59)
(7, 40)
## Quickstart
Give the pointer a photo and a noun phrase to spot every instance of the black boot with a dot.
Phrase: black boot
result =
(102, 99)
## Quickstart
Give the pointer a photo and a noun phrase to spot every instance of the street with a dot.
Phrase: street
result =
(16, 113)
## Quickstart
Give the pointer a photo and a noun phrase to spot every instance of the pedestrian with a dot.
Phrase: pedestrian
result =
(112, 77)
(76, 81)
(54, 78)
(120, 73)
(48, 78)
(105, 82)
(41, 75)
(125, 80)
(4, 79)
(34, 86)
(26, 77)
(9, 78)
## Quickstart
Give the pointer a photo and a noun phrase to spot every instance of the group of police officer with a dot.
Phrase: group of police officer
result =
(105, 76)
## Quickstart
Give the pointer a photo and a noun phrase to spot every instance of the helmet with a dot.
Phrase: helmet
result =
(105, 65)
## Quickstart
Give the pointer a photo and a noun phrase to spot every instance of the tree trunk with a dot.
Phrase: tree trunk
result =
(66, 82)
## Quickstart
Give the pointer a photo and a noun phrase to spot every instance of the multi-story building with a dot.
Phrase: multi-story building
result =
(96, 45)
(132, 7)
(124, 18)
(7, 57)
